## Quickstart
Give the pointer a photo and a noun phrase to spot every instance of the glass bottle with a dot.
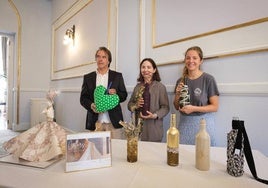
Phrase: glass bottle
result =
(146, 97)
(184, 95)
(173, 136)
(202, 148)
(132, 148)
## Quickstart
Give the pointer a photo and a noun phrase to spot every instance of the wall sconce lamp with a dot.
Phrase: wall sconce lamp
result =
(69, 36)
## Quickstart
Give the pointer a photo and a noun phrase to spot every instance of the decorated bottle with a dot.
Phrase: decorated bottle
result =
(202, 148)
(146, 97)
(184, 95)
(173, 136)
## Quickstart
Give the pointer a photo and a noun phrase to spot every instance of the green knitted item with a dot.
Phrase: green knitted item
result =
(103, 101)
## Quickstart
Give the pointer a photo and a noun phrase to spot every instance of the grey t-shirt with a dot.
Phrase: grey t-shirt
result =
(201, 89)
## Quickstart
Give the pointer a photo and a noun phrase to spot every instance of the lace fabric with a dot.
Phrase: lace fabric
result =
(43, 142)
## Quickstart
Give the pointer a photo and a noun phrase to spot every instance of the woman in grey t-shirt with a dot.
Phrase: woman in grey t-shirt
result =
(203, 94)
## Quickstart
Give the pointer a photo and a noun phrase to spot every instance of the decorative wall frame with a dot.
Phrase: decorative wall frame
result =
(95, 25)
(228, 33)
(16, 103)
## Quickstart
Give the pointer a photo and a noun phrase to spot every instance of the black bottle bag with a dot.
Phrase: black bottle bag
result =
(238, 146)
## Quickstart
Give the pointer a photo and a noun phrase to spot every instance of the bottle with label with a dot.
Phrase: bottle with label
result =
(173, 136)
(202, 148)
(184, 95)
(146, 97)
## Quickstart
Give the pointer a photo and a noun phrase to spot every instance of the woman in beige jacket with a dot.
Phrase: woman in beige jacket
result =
(151, 106)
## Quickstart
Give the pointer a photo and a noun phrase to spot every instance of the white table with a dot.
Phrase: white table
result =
(150, 170)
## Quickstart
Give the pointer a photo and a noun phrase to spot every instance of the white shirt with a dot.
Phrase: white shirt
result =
(102, 79)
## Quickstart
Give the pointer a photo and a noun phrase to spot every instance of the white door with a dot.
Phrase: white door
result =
(7, 73)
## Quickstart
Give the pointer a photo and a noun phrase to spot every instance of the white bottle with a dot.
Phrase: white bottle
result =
(202, 148)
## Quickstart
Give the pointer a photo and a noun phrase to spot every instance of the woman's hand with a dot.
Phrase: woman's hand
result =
(212, 107)
(177, 95)
(179, 87)
(149, 116)
(187, 109)
(139, 103)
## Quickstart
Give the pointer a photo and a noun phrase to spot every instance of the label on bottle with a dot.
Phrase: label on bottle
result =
(173, 142)
(184, 96)
(172, 156)
(146, 98)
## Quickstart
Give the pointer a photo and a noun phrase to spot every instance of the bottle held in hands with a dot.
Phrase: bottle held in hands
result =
(184, 95)
(146, 98)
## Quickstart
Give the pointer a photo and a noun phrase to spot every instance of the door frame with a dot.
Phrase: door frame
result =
(11, 80)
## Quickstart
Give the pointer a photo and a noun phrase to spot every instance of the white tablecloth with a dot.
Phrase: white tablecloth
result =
(150, 170)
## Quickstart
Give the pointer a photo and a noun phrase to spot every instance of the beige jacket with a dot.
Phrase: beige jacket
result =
(159, 104)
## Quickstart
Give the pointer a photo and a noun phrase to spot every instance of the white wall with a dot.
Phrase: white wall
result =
(242, 82)
(35, 54)
(35, 39)
(35, 20)
(243, 79)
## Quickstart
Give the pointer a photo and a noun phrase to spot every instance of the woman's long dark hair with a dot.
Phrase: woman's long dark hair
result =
(156, 75)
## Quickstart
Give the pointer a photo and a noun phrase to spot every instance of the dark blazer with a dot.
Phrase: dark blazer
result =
(87, 98)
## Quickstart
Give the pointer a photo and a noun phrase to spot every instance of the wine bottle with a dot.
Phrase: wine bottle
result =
(146, 98)
(173, 136)
(202, 148)
(184, 95)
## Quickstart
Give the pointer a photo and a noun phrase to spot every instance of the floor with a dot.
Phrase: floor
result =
(5, 134)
